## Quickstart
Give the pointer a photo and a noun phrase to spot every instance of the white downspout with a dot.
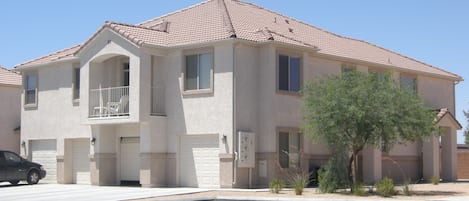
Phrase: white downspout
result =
(234, 137)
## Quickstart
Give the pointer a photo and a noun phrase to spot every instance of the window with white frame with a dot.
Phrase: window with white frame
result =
(289, 73)
(76, 83)
(289, 148)
(30, 89)
(408, 83)
(198, 72)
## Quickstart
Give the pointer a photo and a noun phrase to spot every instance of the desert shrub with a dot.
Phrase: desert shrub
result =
(435, 180)
(298, 182)
(385, 187)
(358, 190)
(276, 185)
(333, 175)
(407, 188)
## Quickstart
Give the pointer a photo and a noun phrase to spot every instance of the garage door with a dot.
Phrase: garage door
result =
(81, 164)
(199, 164)
(44, 152)
(130, 159)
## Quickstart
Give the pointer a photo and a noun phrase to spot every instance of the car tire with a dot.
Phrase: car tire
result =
(14, 182)
(33, 177)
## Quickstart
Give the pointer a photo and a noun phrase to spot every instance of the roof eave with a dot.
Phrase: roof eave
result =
(367, 63)
(284, 44)
(32, 66)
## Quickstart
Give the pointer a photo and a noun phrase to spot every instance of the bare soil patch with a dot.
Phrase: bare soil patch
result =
(420, 192)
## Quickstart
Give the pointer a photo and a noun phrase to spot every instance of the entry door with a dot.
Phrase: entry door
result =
(81, 162)
(130, 159)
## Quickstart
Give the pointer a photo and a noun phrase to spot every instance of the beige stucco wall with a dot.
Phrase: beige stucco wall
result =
(10, 117)
(56, 116)
(199, 113)
(436, 93)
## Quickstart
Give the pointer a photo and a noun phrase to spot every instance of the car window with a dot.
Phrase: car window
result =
(12, 158)
(2, 159)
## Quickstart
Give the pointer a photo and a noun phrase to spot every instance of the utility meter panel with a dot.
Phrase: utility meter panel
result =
(246, 150)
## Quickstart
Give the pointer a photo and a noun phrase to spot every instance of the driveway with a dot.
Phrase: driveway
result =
(70, 192)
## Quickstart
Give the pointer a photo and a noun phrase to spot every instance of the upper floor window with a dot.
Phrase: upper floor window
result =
(76, 83)
(126, 74)
(289, 148)
(289, 73)
(408, 83)
(30, 89)
(198, 72)
(348, 68)
(380, 74)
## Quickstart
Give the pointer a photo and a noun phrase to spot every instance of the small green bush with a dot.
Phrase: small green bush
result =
(276, 185)
(385, 187)
(435, 180)
(407, 189)
(358, 190)
(333, 175)
(299, 182)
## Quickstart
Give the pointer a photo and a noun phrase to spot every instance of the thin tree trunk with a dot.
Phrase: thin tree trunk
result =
(350, 169)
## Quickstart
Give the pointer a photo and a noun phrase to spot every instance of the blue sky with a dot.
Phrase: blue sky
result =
(435, 32)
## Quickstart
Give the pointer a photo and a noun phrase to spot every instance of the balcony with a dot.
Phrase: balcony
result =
(109, 102)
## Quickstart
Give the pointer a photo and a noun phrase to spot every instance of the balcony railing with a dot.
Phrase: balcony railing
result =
(109, 102)
(157, 100)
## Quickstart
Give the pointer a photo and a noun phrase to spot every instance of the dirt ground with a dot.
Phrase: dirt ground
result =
(420, 192)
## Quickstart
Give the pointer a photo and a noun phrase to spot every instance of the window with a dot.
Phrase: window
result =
(348, 68)
(380, 74)
(126, 74)
(31, 89)
(289, 73)
(289, 147)
(76, 83)
(11, 158)
(409, 83)
(198, 71)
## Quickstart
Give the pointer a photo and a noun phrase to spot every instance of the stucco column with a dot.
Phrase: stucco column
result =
(153, 153)
(449, 155)
(431, 158)
(372, 165)
(103, 155)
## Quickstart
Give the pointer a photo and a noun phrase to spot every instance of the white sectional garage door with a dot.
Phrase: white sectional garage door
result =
(44, 152)
(130, 159)
(80, 159)
(199, 164)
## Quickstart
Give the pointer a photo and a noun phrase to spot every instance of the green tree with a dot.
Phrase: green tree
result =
(354, 110)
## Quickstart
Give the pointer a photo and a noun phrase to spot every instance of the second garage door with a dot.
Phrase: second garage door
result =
(199, 164)
(81, 164)
(44, 152)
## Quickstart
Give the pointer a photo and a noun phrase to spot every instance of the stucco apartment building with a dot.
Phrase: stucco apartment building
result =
(10, 110)
(207, 96)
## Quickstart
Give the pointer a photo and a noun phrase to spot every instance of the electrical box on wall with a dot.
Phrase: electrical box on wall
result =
(246, 149)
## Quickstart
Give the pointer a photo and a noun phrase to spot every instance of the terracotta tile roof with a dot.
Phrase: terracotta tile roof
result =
(61, 54)
(442, 112)
(8, 77)
(221, 19)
